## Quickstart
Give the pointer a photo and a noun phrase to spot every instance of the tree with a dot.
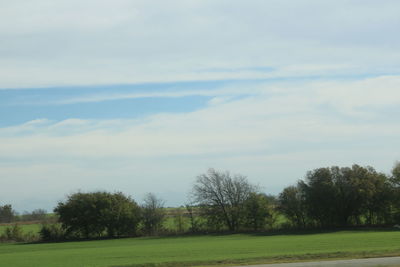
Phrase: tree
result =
(179, 221)
(7, 214)
(341, 196)
(152, 214)
(36, 215)
(320, 196)
(98, 213)
(194, 224)
(222, 196)
(395, 180)
(257, 210)
(292, 205)
(374, 191)
(396, 173)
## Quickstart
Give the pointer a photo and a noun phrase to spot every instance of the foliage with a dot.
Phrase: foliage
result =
(194, 223)
(328, 197)
(257, 210)
(13, 233)
(52, 232)
(292, 205)
(396, 173)
(152, 214)
(332, 197)
(93, 214)
(179, 221)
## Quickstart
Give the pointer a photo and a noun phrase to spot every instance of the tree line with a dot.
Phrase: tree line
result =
(341, 197)
(328, 197)
(8, 214)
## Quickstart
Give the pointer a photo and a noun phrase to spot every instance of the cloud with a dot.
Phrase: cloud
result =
(273, 135)
(250, 123)
(47, 43)
(160, 94)
(315, 107)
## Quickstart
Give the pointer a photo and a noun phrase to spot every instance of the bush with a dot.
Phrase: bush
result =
(13, 233)
(52, 232)
(99, 213)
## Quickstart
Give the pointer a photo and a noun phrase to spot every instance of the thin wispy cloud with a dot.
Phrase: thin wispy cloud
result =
(141, 95)
(108, 42)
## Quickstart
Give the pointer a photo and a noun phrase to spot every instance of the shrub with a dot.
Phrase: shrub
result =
(52, 232)
(96, 214)
(13, 233)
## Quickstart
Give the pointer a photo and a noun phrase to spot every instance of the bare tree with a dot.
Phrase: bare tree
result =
(152, 213)
(222, 196)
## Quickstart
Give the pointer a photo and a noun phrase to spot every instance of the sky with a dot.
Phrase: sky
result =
(143, 96)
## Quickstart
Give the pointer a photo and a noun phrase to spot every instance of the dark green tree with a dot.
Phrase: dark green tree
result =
(395, 181)
(375, 191)
(292, 205)
(98, 213)
(345, 196)
(396, 174)
(257, 211)
(320, 196)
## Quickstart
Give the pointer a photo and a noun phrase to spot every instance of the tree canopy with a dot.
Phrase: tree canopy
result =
(98, 213)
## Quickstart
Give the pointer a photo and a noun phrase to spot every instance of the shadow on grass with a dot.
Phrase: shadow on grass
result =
(276, 232)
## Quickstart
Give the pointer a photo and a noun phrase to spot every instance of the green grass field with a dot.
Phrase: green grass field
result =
(202, 250)
(34, 228)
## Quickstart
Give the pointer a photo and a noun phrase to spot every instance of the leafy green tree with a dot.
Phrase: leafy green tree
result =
(396, 174)
(292, 205)
(341, 196)
(395, 181)
(374, 190)
(348, 200)
(320, 196)
(93, 214)
(257, 211)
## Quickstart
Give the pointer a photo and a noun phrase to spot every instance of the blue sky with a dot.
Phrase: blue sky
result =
(143, 96)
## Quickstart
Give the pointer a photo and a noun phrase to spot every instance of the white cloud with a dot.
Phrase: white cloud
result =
(52, 43)
(280, 129)
(251, 124)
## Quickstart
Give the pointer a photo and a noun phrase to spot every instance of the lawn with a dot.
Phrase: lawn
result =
(196, 250)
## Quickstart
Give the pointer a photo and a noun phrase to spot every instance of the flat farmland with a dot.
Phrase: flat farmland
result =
(202, 250)
(26, 227)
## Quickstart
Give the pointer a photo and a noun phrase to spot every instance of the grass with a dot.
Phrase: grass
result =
(33, 228)
(202, 250)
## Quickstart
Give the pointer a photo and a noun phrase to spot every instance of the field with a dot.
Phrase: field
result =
(202, 250)
(31, 227)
